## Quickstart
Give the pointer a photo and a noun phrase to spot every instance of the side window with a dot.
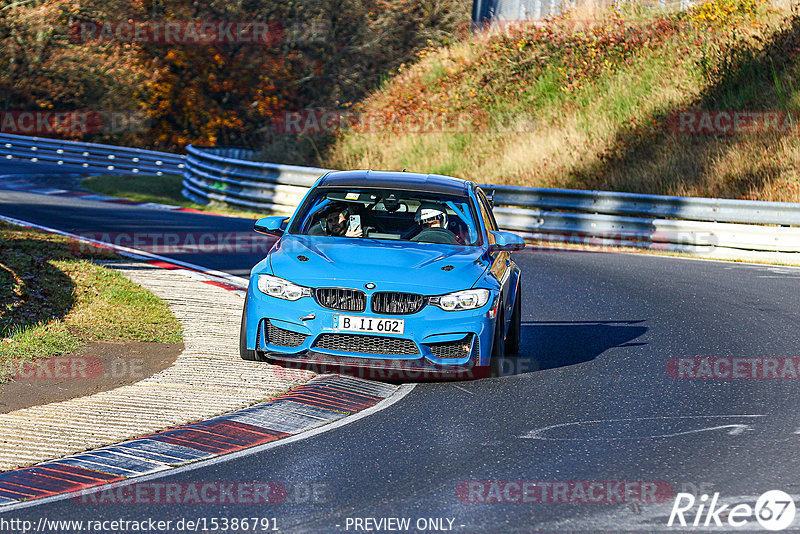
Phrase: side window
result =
(486, 211)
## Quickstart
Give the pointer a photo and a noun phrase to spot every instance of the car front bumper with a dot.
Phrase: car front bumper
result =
(434, 341)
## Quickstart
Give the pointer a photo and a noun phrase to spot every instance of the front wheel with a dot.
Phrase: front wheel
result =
(243, 351)
(514, 329)
(498, 345)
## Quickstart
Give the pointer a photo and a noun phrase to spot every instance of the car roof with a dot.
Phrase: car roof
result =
(408, 181)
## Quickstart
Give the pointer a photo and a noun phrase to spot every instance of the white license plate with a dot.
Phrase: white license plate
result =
(373, 325)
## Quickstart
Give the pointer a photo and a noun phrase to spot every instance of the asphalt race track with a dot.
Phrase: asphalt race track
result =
(593, 397)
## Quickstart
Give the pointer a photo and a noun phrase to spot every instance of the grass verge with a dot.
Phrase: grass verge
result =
(157, 189)
(53, 300)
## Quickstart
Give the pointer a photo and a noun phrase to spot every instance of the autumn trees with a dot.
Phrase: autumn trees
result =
(65, 56)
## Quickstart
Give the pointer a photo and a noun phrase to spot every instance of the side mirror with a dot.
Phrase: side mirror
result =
(506, 242)
(271, 225)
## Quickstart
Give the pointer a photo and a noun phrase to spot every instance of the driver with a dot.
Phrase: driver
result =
(432, 216)
(335, 221)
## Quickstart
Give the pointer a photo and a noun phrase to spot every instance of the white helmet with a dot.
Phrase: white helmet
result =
(431, 211)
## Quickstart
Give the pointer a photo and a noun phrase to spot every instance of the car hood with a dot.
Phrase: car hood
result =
(391, 265)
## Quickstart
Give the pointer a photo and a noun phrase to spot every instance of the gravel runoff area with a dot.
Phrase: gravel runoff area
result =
(207, 379)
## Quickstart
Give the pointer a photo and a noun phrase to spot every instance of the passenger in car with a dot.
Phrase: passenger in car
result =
(335, 221)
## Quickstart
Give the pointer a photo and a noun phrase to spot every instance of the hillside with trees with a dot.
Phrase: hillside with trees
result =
(320, 54)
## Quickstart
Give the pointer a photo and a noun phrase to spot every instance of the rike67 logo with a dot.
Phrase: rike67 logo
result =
(774, 510)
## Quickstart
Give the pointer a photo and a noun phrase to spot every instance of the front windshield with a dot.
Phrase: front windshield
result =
(394, 215)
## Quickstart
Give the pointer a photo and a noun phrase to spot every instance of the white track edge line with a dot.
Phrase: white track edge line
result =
(132, 252)
(398, 395)
(97, 196)
(657, 254)
(731, 261)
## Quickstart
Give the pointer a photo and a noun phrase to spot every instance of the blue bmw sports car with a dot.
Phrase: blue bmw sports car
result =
(392, 274)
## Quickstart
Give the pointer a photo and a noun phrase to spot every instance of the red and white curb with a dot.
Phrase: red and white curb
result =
(323, 400)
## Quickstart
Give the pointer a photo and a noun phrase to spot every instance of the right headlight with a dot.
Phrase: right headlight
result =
(280, 288)
(469, 299)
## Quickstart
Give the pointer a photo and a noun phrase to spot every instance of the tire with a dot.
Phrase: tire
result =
(514, 329)
(243, 351)
(498, 345)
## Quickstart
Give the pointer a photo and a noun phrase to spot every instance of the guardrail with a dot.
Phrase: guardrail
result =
(231, 176)
(83, 157)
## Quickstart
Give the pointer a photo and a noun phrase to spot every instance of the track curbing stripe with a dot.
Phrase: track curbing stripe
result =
(92, 475)
(400, 393)
(178, 452)
(249, 427)
(94, 466)
(14, 496)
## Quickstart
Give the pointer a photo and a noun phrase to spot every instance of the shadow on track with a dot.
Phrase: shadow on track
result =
(553, 344)
(544, 345)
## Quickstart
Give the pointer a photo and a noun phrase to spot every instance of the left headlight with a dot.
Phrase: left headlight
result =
(280, 288)
(469, 299)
